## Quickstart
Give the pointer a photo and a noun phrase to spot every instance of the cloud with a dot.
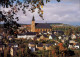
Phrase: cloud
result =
(72, 1)
(62, 12)
(55, 13)
(66, 11)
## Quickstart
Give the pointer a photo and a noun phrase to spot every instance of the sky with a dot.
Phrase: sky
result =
(66, 11)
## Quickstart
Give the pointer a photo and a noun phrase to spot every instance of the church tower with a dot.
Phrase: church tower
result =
(33, 25)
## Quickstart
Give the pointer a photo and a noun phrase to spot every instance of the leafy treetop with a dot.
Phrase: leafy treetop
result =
(17, 5)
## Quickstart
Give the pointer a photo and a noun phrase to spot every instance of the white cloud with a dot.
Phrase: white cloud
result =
(62, 12)
(66, 13)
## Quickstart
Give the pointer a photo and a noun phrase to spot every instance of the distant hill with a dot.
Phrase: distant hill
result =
(57, 24)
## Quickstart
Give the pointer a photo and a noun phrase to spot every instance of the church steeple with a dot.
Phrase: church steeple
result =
(33, 25)
(33, 19)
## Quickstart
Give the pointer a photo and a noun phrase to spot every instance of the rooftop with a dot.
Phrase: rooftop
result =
(42, 25)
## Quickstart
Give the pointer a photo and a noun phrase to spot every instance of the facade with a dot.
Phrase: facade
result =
(21, 36)
(28, 35)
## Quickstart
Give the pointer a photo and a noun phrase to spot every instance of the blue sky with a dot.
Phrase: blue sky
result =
(66, 11)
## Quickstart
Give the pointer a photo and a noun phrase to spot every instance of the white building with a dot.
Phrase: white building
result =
(52, 36)
(60, 37)
(28, 35)
(76, 46)
(22, 36)
(73, 36)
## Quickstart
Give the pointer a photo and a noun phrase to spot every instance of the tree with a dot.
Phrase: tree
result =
(6, 52)
(56, 49)
(24, 4)
(24, 51)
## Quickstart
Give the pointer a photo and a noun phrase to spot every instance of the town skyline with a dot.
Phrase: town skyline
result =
(39, 28)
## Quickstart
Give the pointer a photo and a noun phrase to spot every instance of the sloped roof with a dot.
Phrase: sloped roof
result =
(42, 25)
(22, 34)
(28, 33)
(45, 25)
(31, 33)
(44, 32)
(53, 36)
(38, 36)
(39, 45)
(45, 36)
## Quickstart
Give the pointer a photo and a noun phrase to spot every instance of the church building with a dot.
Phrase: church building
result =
(40, 27)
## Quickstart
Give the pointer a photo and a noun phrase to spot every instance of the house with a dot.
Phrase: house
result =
(73, 36)
(10, 37)
(48, 47)
(28, 35)
(33, 49)
(21, 36)
(40, 33)
(31, 46)
(39, 46)
(44, 32)
(16, 45)
(52, 36)
(31, 35)
(43, 37)
(72, 41)
(73, 44)
(76, 46)
(63, 40)
(70, 45)
(37, 37)
(50, 32)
